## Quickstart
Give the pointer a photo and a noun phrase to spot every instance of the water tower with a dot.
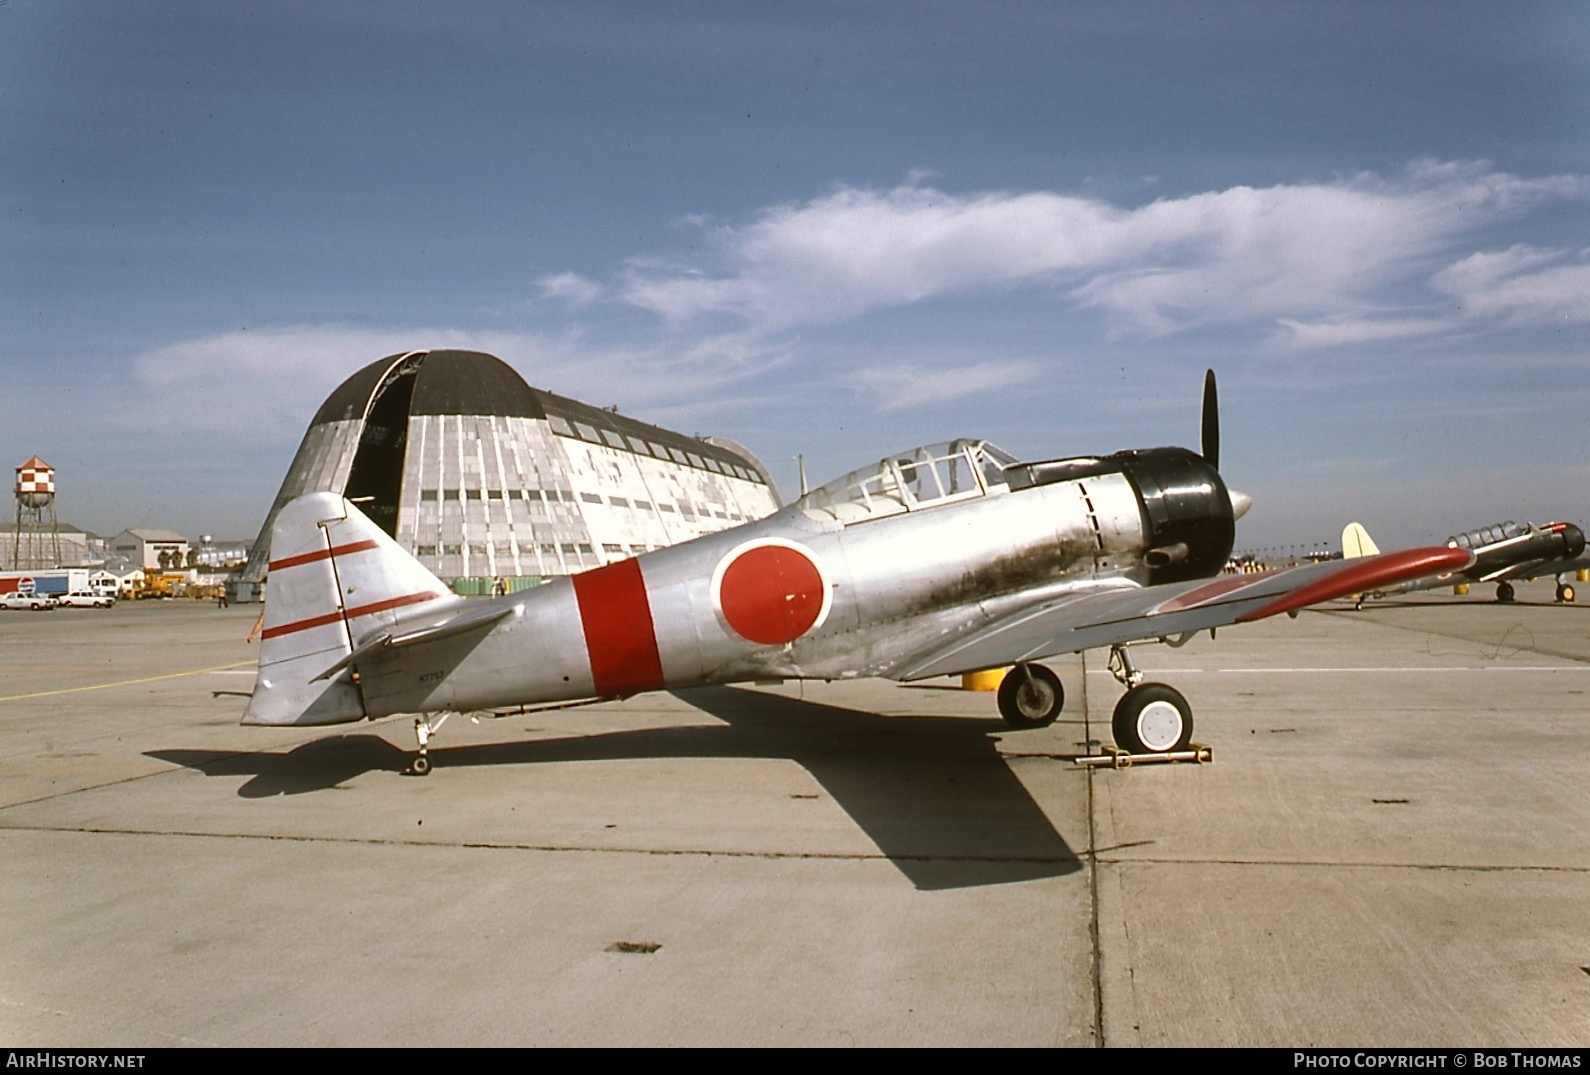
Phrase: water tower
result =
(37, 543)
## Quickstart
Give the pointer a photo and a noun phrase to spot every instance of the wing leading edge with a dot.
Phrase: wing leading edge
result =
(1077, 622)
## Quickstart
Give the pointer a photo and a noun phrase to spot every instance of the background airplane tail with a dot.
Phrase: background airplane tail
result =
(335, 578)
(1357, 543)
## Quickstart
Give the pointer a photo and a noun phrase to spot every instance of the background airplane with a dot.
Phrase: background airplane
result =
(1503, 553)
(949, 558)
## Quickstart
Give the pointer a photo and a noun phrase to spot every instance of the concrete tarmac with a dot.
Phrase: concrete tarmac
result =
(1391, 847)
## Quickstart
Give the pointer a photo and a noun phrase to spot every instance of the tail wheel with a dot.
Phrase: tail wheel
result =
(1152, 718)
(1030, 696)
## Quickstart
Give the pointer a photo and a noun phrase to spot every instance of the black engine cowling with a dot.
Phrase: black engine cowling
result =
(1188, 520)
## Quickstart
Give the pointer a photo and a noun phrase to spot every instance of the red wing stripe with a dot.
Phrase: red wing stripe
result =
(352, 614)
(1367, 574)
(1218, 588)
(619, 635)
(321, 554)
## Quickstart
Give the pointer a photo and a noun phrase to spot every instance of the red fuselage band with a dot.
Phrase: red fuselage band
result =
(619, 635)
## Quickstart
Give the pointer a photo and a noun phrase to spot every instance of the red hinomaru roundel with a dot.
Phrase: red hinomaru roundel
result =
(770, 591)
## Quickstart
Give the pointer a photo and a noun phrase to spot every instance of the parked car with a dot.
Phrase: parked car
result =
(85, 599)
(38, 602)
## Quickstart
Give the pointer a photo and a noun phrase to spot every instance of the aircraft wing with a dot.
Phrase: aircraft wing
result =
(1132, 613)
(1535, 569)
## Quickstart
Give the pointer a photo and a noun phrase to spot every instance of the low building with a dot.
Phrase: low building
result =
(77, 547)
(145, 548)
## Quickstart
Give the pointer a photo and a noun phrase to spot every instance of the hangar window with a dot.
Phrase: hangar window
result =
(590, 498)
(613, 438)
(560, 426)
(588, 432)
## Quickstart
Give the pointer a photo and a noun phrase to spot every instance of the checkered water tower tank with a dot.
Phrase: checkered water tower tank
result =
(35, 483)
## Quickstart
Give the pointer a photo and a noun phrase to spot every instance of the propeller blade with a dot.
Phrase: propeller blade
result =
(1211, 431)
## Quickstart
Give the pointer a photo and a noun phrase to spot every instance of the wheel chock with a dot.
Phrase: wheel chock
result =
(1116, 758)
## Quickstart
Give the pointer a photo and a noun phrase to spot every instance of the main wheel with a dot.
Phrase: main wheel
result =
(1030, 696)
(1504, 592)
(1565, 593)
(1152, 718)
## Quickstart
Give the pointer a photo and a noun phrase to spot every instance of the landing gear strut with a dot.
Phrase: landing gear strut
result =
(1030, 696)
(423, 730)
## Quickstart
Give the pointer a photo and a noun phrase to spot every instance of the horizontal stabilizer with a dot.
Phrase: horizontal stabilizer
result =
(408, 634)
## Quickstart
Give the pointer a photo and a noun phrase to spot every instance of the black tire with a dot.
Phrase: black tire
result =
(421, 765)
(1504, 593)
(1152, 718)
(1565, 593)
(1030, 696)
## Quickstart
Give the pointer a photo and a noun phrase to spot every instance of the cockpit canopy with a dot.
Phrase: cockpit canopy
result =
(908, 481)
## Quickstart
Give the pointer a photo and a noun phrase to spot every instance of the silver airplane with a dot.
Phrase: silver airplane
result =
(943, 560)
(1504, 553)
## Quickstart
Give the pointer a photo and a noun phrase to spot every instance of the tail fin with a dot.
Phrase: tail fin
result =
(1356, 542)
(335, 578)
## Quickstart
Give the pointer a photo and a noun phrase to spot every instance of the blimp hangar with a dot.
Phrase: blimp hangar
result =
(485, 478)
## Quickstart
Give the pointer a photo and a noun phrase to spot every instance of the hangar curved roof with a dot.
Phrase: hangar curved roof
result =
(445, 382)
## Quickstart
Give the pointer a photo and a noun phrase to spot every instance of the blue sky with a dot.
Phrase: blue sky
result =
(830, 229)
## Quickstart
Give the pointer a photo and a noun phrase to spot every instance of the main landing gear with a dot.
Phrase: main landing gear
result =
(423, 730)
(1150, 719)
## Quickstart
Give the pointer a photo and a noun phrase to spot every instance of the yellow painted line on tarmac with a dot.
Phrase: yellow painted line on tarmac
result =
(124, 682)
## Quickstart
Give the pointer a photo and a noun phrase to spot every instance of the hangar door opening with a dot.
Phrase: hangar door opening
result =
(376, 478)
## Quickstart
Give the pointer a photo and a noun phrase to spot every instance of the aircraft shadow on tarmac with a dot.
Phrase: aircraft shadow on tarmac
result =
(933, 793)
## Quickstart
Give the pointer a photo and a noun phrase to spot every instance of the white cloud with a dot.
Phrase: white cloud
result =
(1520, 284)
(1348, 332)
(899, 387)
(571, 288)
(1322, 252)
(278, 377)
